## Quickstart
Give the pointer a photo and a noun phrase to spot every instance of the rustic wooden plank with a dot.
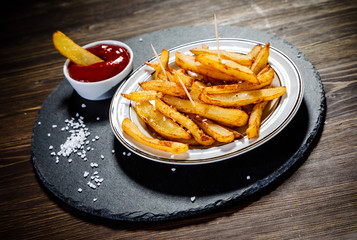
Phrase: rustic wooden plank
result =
(318, 201)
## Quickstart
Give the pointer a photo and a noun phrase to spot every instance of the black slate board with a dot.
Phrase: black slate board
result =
(136, 189)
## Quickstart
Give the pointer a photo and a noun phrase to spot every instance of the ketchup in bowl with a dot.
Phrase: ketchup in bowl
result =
(115, 58)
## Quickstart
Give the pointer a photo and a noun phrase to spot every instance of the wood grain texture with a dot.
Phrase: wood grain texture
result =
(317, 201)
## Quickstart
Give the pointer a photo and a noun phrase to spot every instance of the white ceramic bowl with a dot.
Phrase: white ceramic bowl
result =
(102, 89)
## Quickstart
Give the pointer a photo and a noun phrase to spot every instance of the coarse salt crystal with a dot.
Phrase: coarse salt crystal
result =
(70, 160)
(129, 154)
(101, 156)
(248, 177)
(173, 169)
(54, 126)
(94, 199)
(113, 151)
(83, 105)
(98, 118)
(39, 123)
(50, 147)
(91, 185)
(124, 153)
(193, 199)
(80, 190)
(94, 165)
(85, 174)
(49, 134)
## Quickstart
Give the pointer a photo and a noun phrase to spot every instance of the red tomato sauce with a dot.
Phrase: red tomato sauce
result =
(115, 58)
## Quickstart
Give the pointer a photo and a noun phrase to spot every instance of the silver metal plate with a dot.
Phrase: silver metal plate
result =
(277, 113)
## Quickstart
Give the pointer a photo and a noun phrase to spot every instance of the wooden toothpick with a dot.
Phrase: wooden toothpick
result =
(215, 27)
(163, 69)
(158, 59)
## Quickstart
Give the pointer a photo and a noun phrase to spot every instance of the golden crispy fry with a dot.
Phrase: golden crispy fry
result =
(196, 90)
(255, 51)
(242, 98)
(205, 46)
(255, 120)
(236, 134)
(216, 131)
(261, 60)
(189, 63)
(143, 95)
(228, 67)
(159, 123)
(239, 58)
(186, 122)
(225, 116)
(265, 79)
(168, 146)
(165, 87)
(164, 59)
(159, 74)
(72, 51)
(183, 76)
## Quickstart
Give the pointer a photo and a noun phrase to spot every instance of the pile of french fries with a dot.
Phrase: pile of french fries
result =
(205, 99)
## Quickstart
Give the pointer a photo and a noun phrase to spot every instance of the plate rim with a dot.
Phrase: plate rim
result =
(251, 146)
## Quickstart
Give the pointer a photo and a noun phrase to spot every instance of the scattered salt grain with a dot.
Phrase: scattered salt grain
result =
(98, 118)
(49, 134)
(96, 137)
(50, 147)
(95, 173)
(172, 156)
(173, 169)
(70, 160)
(39, 123)
(94, 165)
(140, 39)
(80, 190)
(101, 156)
(54, 126)
(85, 174)
(124, 153)
(94, 199)
(248, 177)
(193, 199)
(83, 105)
(129, 154)
(91, 185)
(113, 151)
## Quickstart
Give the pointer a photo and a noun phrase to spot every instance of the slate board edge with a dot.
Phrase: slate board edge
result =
(252, 189)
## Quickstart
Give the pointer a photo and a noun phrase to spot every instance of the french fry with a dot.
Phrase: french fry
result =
(143, 95)
(159, 123)
(261, 60)
(255, 120)
(164, 86)
(196, 90)
(228, 67)
(239, 58)
(225, 116)
(181, 74)
(265, 79)
(133, 131)
(186, 122)
(189, 63)
(72, 51)
(242, 98)
(255, 51)
(216, 131)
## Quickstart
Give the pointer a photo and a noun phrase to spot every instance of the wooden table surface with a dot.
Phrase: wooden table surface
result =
(317, 201)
